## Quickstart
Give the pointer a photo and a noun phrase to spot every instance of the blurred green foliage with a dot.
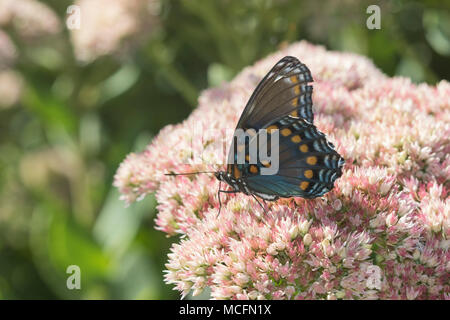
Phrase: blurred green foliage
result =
(62, 143)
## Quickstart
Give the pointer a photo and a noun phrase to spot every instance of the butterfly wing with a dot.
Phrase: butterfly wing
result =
(283, 91)
(308, 164)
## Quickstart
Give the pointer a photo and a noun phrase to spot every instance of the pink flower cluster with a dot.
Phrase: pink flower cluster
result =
(383, 232)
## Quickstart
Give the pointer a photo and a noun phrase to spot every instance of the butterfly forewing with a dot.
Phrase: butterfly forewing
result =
(282, 91)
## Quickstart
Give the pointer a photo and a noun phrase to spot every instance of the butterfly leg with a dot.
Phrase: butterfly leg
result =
(260, 203)
(265, 202)
(218, 196)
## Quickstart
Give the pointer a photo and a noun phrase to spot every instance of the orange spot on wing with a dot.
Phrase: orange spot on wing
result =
(308, 174)
(286, 131)
(294, 79)
(237, 172)
(272, 128)
(303, 148)
(296, 139)
(294, 113)
(311, 160)
(253, 169)
(304, 185)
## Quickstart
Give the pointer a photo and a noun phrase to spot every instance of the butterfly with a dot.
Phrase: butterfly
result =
(308, 164)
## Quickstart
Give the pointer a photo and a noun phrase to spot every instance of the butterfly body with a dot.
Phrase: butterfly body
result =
(239, 185)
(308, 164)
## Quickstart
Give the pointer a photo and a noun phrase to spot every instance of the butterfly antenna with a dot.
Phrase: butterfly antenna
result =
(187, 173)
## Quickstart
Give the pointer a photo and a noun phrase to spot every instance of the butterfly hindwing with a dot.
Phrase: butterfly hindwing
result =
(308, 164)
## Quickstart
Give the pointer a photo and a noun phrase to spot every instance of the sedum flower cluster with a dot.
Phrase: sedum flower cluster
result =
(383, 232)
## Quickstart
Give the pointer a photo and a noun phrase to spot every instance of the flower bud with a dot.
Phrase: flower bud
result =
(307, 239)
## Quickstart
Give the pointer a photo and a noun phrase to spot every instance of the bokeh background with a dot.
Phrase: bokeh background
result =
(75, 102)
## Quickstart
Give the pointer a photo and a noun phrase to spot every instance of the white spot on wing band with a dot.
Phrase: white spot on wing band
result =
(266, 196)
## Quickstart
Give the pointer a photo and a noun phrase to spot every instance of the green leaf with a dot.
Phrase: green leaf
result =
(119, 82)
(437, 26)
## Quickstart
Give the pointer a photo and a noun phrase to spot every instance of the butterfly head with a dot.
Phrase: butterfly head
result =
(236, 184)
(219, 175)
(225, 177)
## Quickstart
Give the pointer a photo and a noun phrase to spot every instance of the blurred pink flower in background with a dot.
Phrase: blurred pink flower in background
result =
(8, 51)
(28, 21)
(11, 86)
(381, 233)
(11, 82)
(111, 26)
(31, 19)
